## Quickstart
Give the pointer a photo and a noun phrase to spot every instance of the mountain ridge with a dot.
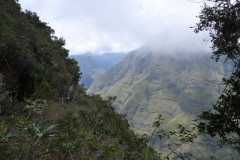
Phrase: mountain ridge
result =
(146, 84)
(137, 67)
(179, 87)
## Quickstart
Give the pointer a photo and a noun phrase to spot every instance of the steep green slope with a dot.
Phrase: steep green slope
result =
(147, 83)
(44, 113)
(33, 61)
(153, 83)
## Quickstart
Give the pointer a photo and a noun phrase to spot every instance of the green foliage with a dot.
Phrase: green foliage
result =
(178, 137)
(95, 131)
(32, 60)
(35, 72)
(221, 19)
(35, 107)
(45, 91)
(179, 88)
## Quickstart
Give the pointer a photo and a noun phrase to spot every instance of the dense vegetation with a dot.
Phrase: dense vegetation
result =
(222, 19)
(34, 63)
(44, 113)
(149, 82)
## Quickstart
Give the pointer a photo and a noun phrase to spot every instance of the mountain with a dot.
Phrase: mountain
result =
(94, 65)
(44, 113)
(148, 82)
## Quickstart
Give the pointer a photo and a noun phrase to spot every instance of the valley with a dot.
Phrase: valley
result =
(119, 80)
(94, 65)
(179, 87)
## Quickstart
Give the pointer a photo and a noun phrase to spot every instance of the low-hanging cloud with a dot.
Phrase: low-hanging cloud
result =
(120, 25)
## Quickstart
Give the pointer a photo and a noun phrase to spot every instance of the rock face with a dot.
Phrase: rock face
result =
(147, 83)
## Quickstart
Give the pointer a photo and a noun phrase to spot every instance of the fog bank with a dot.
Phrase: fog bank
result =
(119, 25)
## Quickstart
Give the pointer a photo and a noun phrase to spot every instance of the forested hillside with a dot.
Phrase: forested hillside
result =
(148, 82)
(179, 87)
(44, 113)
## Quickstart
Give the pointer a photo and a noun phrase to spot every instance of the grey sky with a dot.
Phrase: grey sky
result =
(118, 25)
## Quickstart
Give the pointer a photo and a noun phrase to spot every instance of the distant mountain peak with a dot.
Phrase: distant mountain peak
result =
(147, 83)
(145, 75)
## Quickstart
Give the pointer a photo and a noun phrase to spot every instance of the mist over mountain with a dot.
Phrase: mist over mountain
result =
(156, 71)
(167, 100)
(179, 41)
(44, 113)
(116, 26)
(148, 82)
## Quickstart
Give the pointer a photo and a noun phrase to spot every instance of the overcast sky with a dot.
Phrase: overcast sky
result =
(99, 26)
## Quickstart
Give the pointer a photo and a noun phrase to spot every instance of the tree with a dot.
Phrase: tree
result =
(221, 18)
(32, 59)
(35, 71)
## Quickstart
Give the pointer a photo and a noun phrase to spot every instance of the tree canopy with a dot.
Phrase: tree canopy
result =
(222, 19)
(32, 59)
(35, 73)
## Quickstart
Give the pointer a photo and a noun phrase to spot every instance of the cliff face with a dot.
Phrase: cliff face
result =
(147, 83)
(178, 86)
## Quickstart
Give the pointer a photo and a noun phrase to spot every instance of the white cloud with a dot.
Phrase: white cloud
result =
(115, 25)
